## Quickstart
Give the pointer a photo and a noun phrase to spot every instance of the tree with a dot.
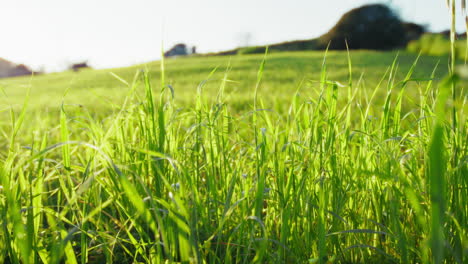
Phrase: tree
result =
(373, 26)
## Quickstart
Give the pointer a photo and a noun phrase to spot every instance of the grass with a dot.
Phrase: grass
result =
(292, 159)
(437, 45)
(95, 89)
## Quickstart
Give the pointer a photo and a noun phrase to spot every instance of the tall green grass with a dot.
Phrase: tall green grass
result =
(344, 175)
(336, 178)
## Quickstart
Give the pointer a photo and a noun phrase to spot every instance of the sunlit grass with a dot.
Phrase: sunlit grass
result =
(303, 160)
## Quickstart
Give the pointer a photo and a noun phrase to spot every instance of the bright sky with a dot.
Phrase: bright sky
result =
(114, 33)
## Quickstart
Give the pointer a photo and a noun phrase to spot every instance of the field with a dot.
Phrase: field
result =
(358, 158)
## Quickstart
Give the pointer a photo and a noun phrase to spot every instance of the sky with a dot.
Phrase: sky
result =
(52, 34)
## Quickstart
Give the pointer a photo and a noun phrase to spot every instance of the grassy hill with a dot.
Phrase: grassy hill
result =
(284, 74)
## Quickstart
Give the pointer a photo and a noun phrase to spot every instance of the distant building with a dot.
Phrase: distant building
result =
(78, 66)
(20, 70)
(5, 67)
(10, 69)
(180, 49)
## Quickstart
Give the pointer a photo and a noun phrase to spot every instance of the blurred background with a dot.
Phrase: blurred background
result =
(54, 35)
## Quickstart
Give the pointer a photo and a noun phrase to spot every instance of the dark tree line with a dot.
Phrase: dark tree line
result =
(374, 26)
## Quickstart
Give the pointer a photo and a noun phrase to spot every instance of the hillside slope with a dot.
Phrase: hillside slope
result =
(284, 73)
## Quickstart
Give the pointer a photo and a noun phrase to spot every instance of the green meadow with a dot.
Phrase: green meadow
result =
(291, 157)
(285, 72)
